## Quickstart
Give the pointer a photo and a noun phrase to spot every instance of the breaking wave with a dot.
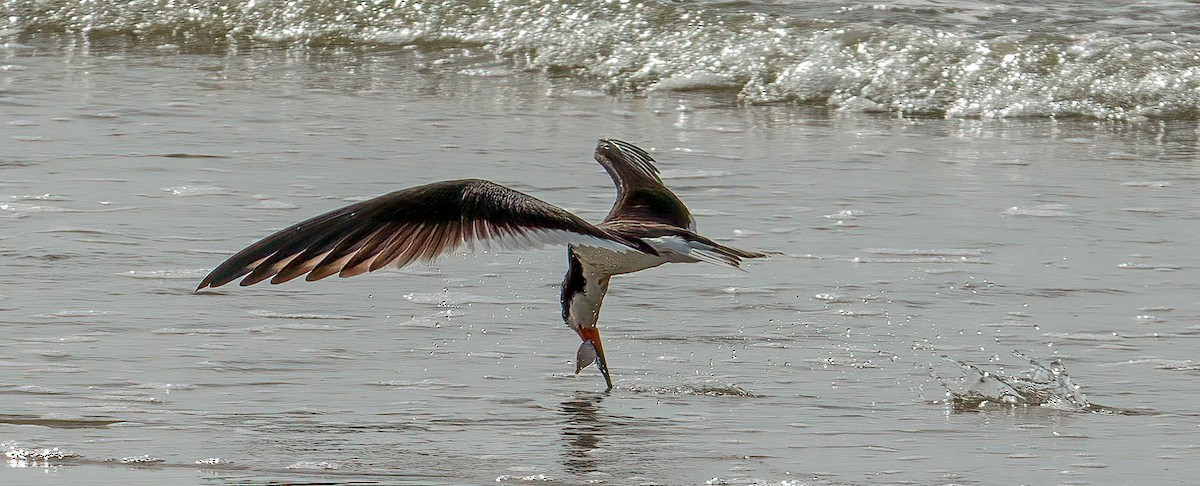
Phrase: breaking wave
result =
(959, 60)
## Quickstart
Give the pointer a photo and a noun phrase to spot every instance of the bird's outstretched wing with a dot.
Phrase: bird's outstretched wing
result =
(418, 223)
(641, 195)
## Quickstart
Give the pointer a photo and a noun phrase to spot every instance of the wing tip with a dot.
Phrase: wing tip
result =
(635, 157)
(215, 279)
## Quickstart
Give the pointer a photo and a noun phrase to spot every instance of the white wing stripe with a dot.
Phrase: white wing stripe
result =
(535, 238)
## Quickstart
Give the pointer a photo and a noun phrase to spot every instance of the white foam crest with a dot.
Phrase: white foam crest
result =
(1147, 266)
(20, 209)
(39, 197)
(1085, 336)
(928, 259)
(1161, 363)
(866, 62)
(421, 384)
(187, 191)
(539, 478)
(35, 390)
(269, 204)
(315, 465)
(19, 456)
(164, 386)
(975, 252)
(216, 331)
(755, 482)
(142, 459)
(833, 297)
(927, 71)
(1041, 211)
(284, 315)
(74, 313)
(1147, 184)
(173, 274)
(60, 339)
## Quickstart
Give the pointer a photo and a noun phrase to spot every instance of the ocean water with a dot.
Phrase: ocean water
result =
(986, 216)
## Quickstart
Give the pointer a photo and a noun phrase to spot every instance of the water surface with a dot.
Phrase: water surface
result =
(130, 169)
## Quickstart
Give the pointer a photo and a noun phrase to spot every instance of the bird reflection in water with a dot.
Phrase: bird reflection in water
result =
(584, 429)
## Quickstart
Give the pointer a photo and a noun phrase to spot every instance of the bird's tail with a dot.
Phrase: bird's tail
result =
(706, 250)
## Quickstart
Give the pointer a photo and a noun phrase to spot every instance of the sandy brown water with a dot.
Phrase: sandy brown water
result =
(125, 175)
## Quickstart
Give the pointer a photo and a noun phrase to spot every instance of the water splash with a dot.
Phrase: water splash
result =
(711, 388)
(977, 390)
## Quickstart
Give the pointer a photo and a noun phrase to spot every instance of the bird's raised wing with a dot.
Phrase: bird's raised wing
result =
(641, 194)
(418, 223)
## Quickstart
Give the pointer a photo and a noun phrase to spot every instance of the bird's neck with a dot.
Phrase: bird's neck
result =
(582, 294)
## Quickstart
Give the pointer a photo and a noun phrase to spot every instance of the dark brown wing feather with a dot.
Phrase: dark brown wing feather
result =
(413, 224)
(641, 194)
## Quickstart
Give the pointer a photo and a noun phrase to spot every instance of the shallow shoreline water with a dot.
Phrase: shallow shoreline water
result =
(128, 172)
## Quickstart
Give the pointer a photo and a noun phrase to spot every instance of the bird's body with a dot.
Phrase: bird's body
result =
(647, 227)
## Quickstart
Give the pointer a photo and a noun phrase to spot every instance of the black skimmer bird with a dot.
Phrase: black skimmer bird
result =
(647, 227)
